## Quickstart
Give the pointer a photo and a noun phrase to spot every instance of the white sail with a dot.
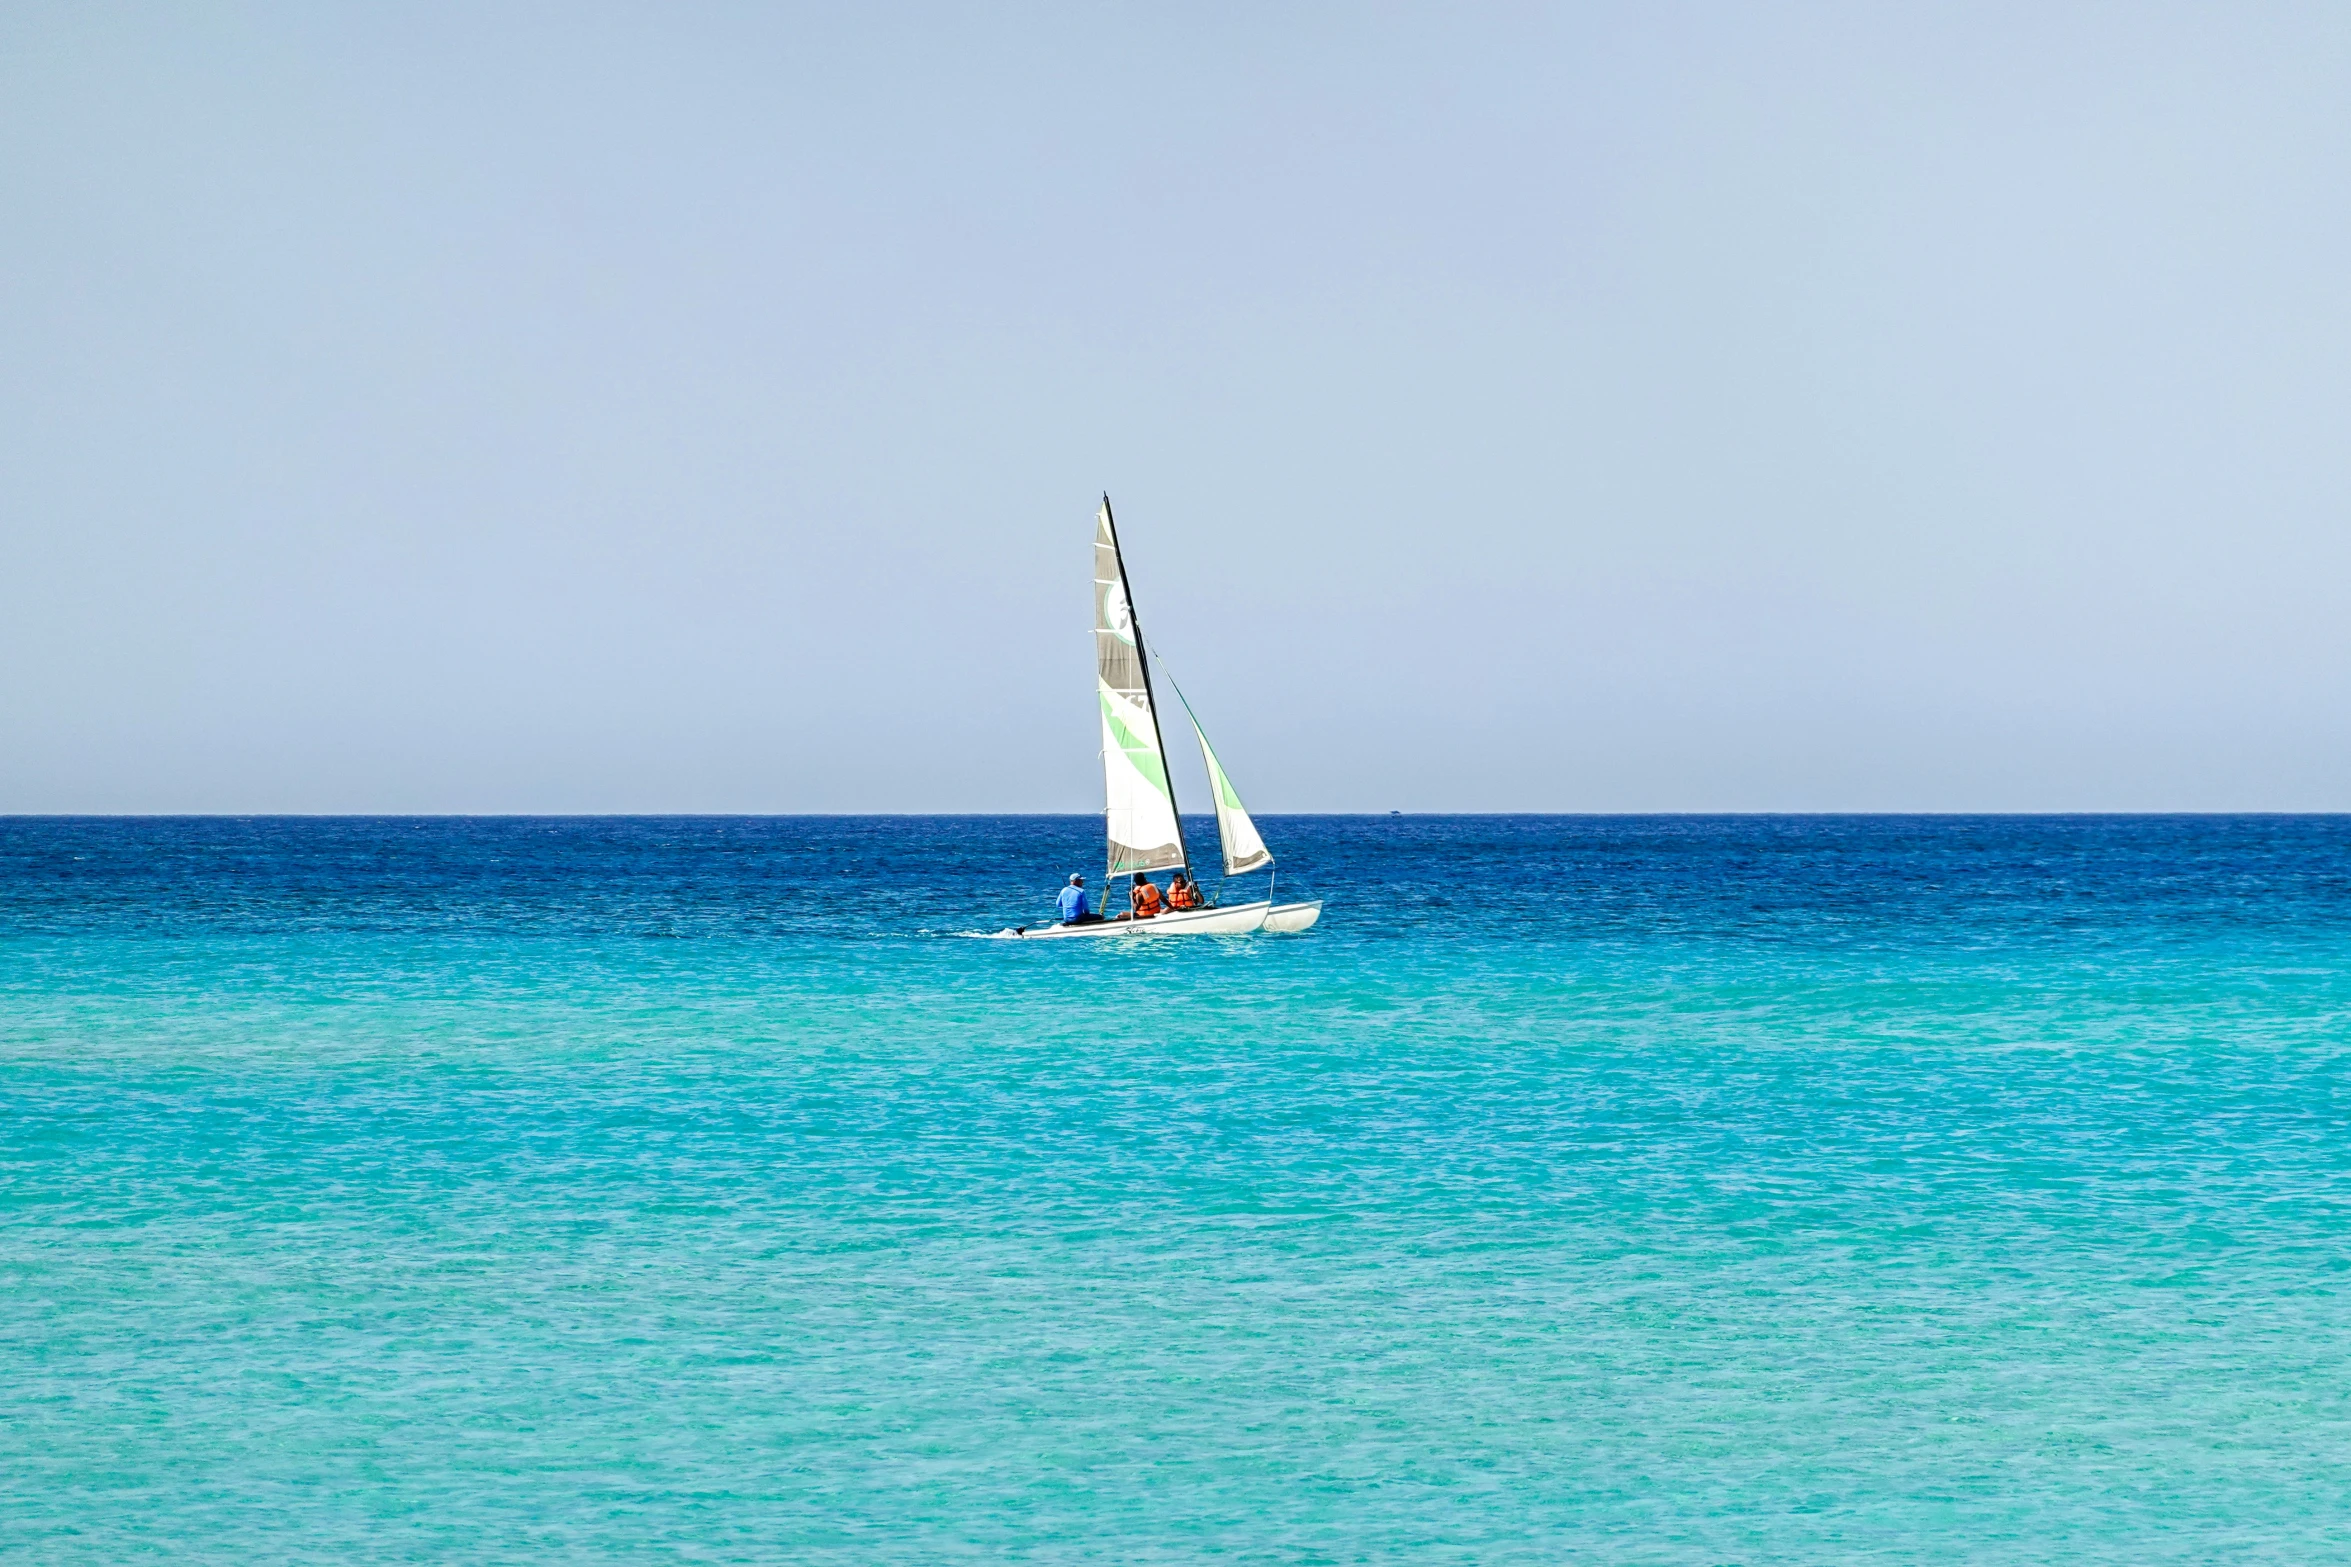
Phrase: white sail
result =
(1244, 850)
(1145, 832)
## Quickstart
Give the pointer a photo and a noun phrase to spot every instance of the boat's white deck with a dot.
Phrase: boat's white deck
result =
(1238, 920)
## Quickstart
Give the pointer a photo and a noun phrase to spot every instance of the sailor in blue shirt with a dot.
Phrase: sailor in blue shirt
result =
(1073, 902)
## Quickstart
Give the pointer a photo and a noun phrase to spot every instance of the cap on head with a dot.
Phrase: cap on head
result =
(1077, 881)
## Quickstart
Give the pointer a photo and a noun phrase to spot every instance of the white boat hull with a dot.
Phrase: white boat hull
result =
(1287, 919)
(1238, 920)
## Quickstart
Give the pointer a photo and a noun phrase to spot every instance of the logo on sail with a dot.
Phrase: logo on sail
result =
(1117, 619)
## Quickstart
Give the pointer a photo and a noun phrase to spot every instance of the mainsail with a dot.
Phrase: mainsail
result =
(1145, 833)
(1244, 850)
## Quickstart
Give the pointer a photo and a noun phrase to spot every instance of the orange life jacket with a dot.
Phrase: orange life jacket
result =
(1147, 900)
(1184, 895)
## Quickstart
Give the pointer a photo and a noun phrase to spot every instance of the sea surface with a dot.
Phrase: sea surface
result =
(1677, 1190)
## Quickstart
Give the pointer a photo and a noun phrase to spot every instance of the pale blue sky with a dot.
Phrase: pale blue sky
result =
(1582, 408)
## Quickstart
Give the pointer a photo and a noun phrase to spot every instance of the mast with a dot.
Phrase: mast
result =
(1143, 662)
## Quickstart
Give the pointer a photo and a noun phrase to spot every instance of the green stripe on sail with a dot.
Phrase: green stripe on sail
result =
(1224, 785)
(1141, 752)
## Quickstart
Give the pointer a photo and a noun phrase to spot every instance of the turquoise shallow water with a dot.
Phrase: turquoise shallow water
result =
(1681, 1191)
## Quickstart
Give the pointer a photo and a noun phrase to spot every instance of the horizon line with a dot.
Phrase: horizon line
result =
(101, 816)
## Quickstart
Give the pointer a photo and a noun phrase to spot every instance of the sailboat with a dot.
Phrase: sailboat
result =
(1146, 832)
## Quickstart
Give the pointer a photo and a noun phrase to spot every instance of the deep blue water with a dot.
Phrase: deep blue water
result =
(1670, 1189)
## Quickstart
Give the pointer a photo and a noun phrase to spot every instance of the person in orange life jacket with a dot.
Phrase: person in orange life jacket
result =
(1183, 892)
(1146, 898)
